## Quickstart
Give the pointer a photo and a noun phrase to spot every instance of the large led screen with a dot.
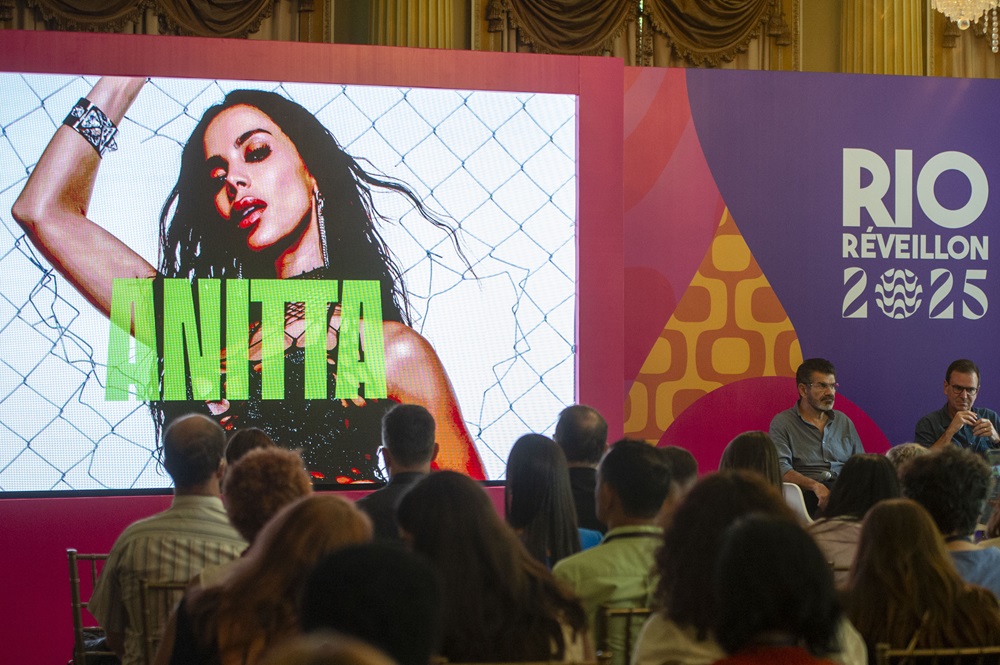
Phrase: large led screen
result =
(465, 258)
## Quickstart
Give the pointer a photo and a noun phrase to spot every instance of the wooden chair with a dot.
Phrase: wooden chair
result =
(81, 653)
(628, 621)
(987, 655)
(156, 601)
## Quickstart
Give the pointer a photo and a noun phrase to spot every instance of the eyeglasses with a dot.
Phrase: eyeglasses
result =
(958, 390)
(824, 386)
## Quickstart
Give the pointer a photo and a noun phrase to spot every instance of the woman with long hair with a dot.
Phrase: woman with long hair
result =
(681, 630)
(864, 480)
(904, 590)
(264, 191)
(753, 451)
(255, 606)
(539, 501)
(500, 603)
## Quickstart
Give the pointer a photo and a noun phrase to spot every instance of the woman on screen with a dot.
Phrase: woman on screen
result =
(264, 191)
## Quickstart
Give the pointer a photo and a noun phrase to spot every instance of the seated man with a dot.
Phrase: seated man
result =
(408, 447)
(952, 485)
(958, 422)
(812, 439)
(633, 480)
(582, 433)
(172, 546)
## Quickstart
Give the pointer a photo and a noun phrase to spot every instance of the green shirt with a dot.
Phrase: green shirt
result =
(618, 572)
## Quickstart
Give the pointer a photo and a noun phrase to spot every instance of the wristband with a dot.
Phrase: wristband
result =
(92, 124)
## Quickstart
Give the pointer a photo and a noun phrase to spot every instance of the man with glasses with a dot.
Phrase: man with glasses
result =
(958, 422)
(408, 449)
(813, 440)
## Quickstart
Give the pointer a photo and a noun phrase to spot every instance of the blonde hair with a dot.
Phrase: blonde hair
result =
(901, 455)
(256, 605)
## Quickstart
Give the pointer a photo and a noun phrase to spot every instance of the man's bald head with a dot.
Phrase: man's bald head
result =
(582, 433)
(193, 447)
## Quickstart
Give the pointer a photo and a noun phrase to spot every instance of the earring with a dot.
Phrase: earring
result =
(322, 227)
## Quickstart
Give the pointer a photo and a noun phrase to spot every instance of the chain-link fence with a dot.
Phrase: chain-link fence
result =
(501, 165)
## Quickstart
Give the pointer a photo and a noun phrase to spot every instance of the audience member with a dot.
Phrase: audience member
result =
(243, 441)
(681, 632)
(255, 606)
(408, 448)
(261, 483)
(683, 476)
(538, 500)
(864, 481)
(683, 469)
(325, 648)
(952, 485)
(753, 451)
(958, 422)
(380, 593)
(904, 590)
(172, 546)
(633, 481)
(900, 455)
(500, 603)
(264, 481)
(582, 434)
(786, 609)
(812, 439)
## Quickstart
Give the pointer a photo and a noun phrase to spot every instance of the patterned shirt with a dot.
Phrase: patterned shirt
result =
(172, 546)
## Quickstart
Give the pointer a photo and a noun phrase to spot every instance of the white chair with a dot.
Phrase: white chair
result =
(795, 501)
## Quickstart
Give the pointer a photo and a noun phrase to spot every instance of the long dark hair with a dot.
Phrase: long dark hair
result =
(501, 604)
(539, 500)
(784, 561)
(864, 480)
(193, 244)
(686, 561)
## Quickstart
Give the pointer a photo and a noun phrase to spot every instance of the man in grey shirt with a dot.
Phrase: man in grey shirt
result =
(813, 440)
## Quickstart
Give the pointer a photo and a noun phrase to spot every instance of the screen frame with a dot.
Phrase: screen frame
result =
(596, 82)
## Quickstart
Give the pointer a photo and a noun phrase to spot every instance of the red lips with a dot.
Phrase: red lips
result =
(247, 211)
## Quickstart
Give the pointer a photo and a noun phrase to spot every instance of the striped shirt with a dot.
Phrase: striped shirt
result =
(172, 546)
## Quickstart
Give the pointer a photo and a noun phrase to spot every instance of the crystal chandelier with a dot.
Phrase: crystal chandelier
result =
(964, 12)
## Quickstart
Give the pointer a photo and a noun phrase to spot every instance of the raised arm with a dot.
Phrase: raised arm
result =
(52, 207)
(415, 375)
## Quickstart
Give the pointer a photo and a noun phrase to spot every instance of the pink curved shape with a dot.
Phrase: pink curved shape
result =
(715, 419)
(672, 205)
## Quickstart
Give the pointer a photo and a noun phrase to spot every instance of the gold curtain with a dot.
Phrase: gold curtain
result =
(425, 23)
(207, 18)
(883, 37)
(709, 32)
(569, 27)
(667, 33)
